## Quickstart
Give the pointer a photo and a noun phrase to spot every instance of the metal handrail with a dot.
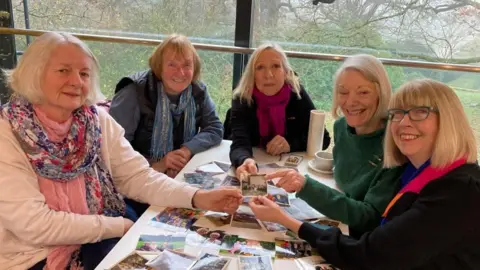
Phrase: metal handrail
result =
(233, 49)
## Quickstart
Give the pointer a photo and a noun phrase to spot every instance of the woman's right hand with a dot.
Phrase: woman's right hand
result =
(127, 224)
(248, 167)
(290, 180)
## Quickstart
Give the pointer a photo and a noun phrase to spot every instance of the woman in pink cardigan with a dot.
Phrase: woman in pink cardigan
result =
(65, 165)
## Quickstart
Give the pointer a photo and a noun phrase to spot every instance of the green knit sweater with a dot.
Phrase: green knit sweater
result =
(358, 172)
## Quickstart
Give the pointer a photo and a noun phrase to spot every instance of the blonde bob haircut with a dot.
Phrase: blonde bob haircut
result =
(455, 138)
(373, 70)
(25, 79)
(180, 46)
(247, 82)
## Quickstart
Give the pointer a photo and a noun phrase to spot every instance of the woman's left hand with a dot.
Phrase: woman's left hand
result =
(278, 145)
(267, 210)
(219, 200)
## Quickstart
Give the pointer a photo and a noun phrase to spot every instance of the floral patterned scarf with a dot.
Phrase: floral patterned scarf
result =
(79, 153)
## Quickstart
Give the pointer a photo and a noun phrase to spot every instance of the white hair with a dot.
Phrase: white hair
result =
(25, 80)
(374, 71)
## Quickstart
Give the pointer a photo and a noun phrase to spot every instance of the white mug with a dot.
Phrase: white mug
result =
(323, 161)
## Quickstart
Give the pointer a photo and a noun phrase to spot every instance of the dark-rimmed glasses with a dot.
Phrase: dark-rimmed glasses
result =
(415, 114)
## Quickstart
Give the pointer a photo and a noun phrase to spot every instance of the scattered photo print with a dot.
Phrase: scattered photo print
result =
(202, 180)
(218, 218)
(272, 168)
(205, 236)
(280, 199)
(171, 260)
(176, 219)
(244, 218)
(293, 249)
(255, 263)
(223, 165)
(326, 223)
(152, 243)
(235, 245)
(293, 160)
(132, 262)
(301, 210)
(256, 185)
(231, 181)
(211, 168)
(210, 262)
(278, 195)
(274, 227)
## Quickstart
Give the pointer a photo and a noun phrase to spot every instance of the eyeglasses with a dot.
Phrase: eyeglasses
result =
(415, 114)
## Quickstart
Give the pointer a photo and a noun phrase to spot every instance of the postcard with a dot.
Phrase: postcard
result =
(235, 245)
(256, 185)
(211, 168)
(210, 262)
(255, 263)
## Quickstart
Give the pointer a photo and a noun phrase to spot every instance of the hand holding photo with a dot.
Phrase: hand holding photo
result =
(256, 185)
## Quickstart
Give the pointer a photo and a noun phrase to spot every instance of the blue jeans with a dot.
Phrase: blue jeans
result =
(92, 254)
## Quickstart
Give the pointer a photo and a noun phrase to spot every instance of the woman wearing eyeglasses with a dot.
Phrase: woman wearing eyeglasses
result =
(432, 223)
(360, 98)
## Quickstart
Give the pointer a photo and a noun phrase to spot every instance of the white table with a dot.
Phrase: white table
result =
(220, 153)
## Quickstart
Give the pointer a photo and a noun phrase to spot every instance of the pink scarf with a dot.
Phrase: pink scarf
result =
(271, 113)
(68, 196)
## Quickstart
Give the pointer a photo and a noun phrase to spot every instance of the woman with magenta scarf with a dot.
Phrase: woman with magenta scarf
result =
(270, 109)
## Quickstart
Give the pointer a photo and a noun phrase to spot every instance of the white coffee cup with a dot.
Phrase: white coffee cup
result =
(323, 161)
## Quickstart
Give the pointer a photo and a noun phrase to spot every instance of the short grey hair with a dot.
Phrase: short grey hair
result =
(25, 79)
(373, 70)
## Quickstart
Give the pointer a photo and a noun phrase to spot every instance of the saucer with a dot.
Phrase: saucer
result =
(310, 165)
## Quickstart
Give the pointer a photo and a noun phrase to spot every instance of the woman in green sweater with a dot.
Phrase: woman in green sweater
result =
(361, 95)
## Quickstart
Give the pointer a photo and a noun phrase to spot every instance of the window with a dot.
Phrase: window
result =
(203, 21)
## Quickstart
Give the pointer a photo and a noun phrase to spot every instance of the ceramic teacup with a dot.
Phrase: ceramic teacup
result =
(323, 161)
